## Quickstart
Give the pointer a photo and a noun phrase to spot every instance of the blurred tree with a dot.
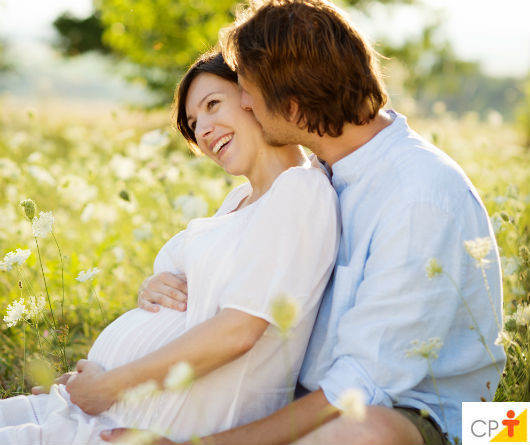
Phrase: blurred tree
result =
(523, 113)
(78, 35)
(4, 63)
(160, 37)
(433, 73)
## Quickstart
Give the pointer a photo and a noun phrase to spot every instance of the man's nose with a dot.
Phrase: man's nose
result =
(245, 101)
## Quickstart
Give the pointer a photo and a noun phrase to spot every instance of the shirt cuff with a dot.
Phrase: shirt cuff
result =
(346, 374)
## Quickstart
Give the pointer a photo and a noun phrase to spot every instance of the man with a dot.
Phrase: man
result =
(415, 343)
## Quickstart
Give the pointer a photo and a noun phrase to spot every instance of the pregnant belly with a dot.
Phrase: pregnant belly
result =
(135, 334)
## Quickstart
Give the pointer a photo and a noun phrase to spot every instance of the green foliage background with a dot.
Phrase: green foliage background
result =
(70, 161)
(64, 157)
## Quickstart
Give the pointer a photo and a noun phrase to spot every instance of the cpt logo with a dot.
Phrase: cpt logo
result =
(495, 422)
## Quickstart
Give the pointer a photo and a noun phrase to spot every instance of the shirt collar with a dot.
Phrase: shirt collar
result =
(350, 168)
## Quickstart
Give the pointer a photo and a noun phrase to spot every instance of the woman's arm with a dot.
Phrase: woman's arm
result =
(206, 347)
(286, 425)
(162, 289)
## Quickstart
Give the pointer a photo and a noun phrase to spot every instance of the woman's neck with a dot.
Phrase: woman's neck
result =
(269, 164)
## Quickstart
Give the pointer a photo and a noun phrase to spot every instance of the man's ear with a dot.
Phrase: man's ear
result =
(294, 111)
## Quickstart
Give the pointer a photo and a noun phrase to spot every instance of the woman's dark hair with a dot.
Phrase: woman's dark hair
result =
(212, 63)
(307, 51)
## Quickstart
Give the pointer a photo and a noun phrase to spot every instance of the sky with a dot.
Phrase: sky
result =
(494, 32)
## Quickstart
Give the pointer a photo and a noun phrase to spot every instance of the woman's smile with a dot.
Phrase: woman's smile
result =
(221, 142)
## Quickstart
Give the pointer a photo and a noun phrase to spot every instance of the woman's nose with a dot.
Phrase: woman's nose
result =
(203, 128)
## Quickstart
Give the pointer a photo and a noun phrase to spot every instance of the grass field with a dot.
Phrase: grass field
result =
(120, 183)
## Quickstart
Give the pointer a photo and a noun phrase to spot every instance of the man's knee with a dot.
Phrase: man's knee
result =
(381, 426)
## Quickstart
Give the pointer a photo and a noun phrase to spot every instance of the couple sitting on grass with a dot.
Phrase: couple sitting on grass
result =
(341, 241)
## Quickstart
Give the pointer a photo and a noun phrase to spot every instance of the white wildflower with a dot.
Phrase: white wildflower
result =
(35, 157)
(191, 206)
(479, 249)
(35, 307)
(119, 253)
(522, 315)
(143, 233)
(150, 143)
(41, 175)
(124, 168)
(494, 118)
(433, 268)
(352, 405)
(426, 349)
(510, 265)
(285, 311)
(77, 191)
(15, 313)
(146, 177)
(500, 199)
(180, 376)
(140, 392)
(496, 222)
(172, 174)
(156, 138)
(43, 224)
(8, 169)
(104, 213)
(88, 275)
(17, 140)
(504, 339)
(18, 257)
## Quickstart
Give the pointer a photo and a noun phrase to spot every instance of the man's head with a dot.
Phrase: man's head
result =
(308, 63)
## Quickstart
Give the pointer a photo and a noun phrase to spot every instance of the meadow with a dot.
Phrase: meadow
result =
(120, 183)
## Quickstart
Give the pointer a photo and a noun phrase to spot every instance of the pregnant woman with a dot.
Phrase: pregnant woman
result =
(275, 235)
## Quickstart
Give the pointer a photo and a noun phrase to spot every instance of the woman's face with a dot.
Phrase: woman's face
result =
(224, 131)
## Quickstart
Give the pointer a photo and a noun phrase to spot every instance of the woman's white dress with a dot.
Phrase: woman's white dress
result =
(284, 243)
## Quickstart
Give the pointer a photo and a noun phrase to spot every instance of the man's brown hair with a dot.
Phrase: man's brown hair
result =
(307, 51)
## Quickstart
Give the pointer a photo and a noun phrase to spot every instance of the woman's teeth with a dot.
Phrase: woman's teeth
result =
(221, 142)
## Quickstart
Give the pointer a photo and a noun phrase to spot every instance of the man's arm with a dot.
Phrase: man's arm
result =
(284, 426)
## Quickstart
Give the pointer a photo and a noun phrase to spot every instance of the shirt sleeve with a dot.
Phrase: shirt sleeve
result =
(287, 248)
(396, 303)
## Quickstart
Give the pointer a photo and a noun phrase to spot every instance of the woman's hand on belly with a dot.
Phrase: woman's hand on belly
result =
(90, 389)
(165, 289)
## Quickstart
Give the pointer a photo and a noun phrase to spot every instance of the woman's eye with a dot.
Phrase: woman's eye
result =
(211, 104)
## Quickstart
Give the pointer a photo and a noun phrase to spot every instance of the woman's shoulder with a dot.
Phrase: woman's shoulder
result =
(233, 198)
(304, 179)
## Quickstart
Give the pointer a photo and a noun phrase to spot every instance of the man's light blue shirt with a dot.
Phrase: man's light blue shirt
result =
(403, 202)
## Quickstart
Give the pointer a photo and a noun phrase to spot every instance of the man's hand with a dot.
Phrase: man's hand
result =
(131, 435)
(36, 390)
(165, 289)
(89, 389)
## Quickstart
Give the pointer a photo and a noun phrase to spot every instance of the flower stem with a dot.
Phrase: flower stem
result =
(99, 304)
(61, 344)
(46, 286)
(488, 290)
(62, 275)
